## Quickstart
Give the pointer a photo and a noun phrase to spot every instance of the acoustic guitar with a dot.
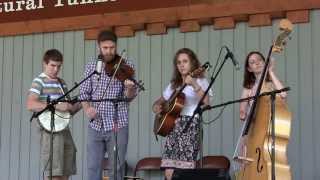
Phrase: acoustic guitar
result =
(165, 120)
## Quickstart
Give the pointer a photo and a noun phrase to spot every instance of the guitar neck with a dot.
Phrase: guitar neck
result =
(176, 93)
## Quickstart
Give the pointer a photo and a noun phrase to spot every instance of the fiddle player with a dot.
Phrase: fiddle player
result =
(106, 117)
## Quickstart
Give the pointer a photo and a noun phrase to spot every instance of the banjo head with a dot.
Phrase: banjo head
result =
(61, 120)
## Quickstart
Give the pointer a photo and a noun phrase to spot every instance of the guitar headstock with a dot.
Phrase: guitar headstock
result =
(286, 27)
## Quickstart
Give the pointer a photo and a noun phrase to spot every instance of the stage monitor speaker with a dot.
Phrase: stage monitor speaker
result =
(201, 174)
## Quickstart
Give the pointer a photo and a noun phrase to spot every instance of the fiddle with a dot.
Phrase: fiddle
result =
(123, 72)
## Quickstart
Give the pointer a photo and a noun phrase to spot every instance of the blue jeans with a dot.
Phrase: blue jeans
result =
(100, 142)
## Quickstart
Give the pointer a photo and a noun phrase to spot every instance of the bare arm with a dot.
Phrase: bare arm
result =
(35, 105)
(244, 104)
(197, 88)
(157, 105)
(277, 84)
(75, 108)
(275, 80)
(200, 93)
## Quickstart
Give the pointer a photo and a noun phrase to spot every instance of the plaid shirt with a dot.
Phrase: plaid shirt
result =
(106, 112)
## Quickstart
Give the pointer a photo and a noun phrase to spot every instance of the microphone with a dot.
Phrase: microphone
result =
(231, 56)
(99, 66)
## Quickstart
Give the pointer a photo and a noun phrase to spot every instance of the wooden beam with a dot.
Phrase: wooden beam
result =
(138, 27)
(260, 20)
(92, 34)
(224, 23)
(278, 15)
(189, 26)
(298, 16)
(205, 21)
(124, 31)
(241, 18)
(156, 28)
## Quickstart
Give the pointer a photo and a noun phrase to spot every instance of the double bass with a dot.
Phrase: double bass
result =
(255, 161)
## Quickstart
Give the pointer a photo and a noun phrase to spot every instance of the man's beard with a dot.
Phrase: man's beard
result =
(108, 58)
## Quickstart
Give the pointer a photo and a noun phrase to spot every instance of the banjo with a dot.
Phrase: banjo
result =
(61, 119)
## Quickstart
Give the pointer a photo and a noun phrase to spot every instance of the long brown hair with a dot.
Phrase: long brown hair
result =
(249, 77)
(176, 79)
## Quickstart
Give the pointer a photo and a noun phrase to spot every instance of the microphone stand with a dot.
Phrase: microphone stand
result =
(199, 111)
(51, 108)
(115, 134)
(206, 108)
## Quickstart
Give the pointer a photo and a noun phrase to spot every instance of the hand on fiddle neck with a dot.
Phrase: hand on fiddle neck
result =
(130, 89)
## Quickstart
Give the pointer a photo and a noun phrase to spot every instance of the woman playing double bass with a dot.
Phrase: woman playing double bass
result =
(254, 64)
(253, 149)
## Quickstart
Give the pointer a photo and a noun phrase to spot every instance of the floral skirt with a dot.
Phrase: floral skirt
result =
(181, 148)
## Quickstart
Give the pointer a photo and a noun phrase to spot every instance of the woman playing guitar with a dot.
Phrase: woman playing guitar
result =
(181, 147)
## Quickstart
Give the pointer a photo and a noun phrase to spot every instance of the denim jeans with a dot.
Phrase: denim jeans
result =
(100, 142)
